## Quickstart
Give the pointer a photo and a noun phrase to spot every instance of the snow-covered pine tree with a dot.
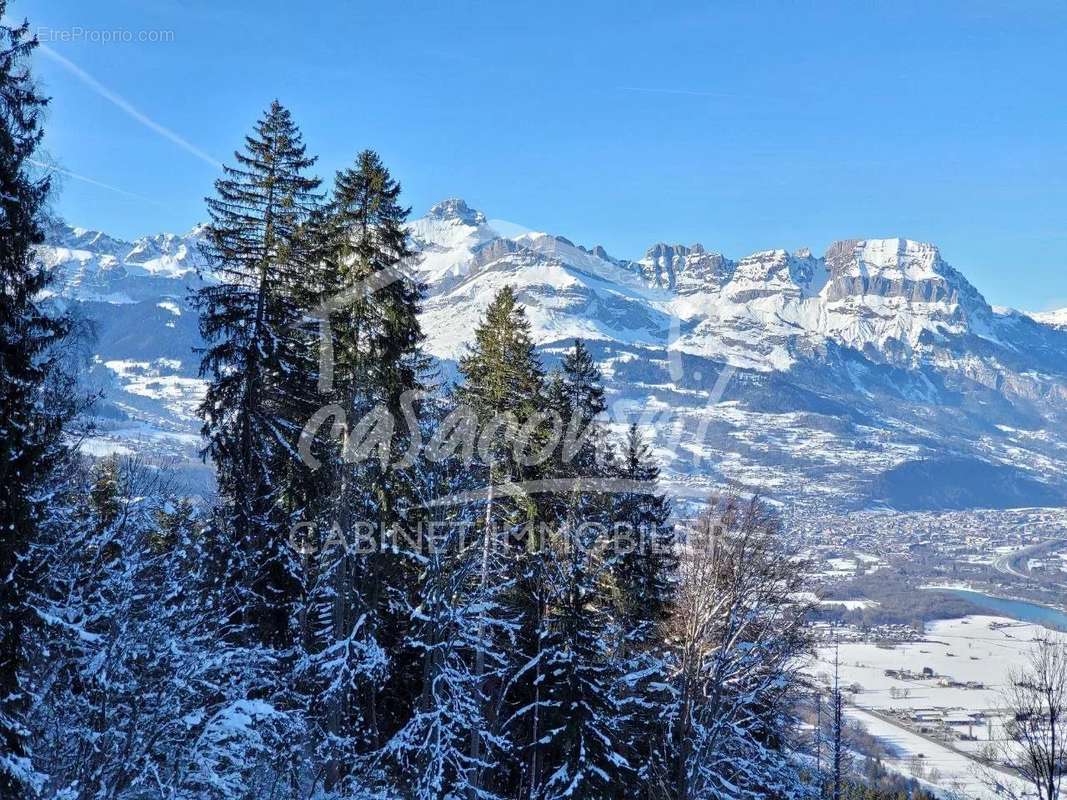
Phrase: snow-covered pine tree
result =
(838, 746)
(455, 617)
(574, 396)
(573, 720)
(35, 396)
(644, 567)
(578, 397)
(377, 377)
(139, 692)
(258, 360)
(583, 458)
(502, 390)
(579, 746)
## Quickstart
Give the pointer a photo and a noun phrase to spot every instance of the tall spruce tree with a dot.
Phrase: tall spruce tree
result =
(377, 377)
(580, 746)
(645, 569)
(262, 380)
(578, 397)
(502, 386)
(644, 565)
(583, 457)
(34, 395)
(575, 742)
(503, 393)
(376, 332)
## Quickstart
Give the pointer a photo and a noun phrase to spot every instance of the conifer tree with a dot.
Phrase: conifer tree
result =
(573, 719)
(645, 567)
(577, 395)
(455, 618)
(262, 380)
(581, 748)
(503, 392)
(105, 492)
(583, 458)
(376, 332)
(503, 387)
(838, 756)
(377, 374)
(139, 691)
(35, 398)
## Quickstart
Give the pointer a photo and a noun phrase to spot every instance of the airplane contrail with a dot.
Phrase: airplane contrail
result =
(690, 92)
(126, 106)
(93, 181)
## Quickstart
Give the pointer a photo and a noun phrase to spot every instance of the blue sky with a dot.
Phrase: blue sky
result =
(743, 126)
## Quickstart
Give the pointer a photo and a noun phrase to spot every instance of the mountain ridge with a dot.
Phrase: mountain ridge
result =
(838, 369)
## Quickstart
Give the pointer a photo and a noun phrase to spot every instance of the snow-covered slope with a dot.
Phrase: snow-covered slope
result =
(135, 294)
(93, 266)
(875, 373)
(1056, 319)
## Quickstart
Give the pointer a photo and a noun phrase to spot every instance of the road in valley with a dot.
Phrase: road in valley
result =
(1008, 563)
(958, 769)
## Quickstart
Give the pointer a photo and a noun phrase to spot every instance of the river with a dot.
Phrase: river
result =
(1016, 609)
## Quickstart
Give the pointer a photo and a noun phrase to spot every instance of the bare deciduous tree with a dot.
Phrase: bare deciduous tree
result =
(738, 638)
(1035, 704)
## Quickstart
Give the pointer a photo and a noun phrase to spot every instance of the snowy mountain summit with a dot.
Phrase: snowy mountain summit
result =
(894, 298)
(455, 209)
(875, 374)
(94, 266)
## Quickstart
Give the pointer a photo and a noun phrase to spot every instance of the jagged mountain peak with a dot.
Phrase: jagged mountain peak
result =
(61, 234)
(456, 209)
(598, 251)
(661, 249)
(685, 269)
(90, 265)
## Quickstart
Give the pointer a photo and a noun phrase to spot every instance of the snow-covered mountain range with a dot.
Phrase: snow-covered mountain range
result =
(875, 374)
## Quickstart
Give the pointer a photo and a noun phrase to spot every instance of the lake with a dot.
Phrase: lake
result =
(1016, 609)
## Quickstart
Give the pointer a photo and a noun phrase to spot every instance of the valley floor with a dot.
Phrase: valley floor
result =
(933, 703)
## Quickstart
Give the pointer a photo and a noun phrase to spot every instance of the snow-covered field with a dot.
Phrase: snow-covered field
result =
(969, 659)
(851, 605)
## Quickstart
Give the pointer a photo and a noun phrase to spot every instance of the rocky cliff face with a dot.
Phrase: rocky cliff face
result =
(804, 377)
(685, 270)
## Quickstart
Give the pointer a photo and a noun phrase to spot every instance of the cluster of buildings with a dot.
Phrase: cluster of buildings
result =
(948, 724)
(835, 633)
(927, 673)
(964, 537)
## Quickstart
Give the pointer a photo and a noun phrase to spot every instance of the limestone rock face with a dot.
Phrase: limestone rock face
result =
(684, 269)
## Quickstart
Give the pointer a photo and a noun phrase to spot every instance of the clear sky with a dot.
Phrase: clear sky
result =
(744, 126)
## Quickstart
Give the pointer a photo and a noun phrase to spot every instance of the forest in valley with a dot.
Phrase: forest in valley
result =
(404, 586)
